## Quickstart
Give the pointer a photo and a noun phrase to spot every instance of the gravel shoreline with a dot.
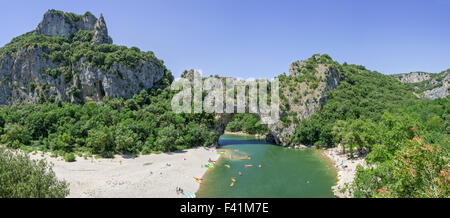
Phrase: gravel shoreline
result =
(146, 176)
(346, 169)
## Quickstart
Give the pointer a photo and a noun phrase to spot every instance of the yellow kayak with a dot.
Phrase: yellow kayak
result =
(196, 178)
(232, 184)
(226, 165)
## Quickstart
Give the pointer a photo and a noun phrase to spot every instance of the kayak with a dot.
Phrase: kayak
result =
(227, 166)
(196, 178)
(234, 180)
(248, 165)
(232, 184)
(199, 181)
(244, 158)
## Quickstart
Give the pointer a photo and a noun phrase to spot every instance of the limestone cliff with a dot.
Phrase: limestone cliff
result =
(427, 85)
(302, 93)
(70, 57)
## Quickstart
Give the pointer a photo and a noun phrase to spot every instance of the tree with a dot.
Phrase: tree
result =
(21, 177)
(15, 136)
(101, 140)
(125, 139)
(417, 170)
(338, 131)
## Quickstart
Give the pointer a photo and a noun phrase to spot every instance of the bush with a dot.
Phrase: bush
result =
(21, 177)
(15, 135)
(69, 157)
(100, 140)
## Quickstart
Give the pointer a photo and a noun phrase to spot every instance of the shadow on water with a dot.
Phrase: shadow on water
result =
(224, 141)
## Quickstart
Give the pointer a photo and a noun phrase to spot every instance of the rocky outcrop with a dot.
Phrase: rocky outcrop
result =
(430, 85)
(413, 77)
(57, 23)
(311, 99)
(439, 92)
(25, 77)
(101, 32)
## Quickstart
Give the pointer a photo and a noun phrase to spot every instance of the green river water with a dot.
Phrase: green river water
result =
(284, 172)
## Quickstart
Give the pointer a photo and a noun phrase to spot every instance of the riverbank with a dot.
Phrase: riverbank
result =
(259, 136)
(153, 176)
(346, 169)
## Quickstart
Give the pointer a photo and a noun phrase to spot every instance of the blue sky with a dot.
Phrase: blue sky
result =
(260, 38)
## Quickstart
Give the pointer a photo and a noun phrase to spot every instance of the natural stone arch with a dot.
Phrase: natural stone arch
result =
(224, 118)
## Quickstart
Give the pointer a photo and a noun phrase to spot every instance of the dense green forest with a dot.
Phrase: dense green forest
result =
(144, 123)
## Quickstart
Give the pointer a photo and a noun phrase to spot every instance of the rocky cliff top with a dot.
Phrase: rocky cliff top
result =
(413, 77)
(58, 23)
(428, 85)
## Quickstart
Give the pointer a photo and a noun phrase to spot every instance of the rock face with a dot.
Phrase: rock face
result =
(431, 85)
(101, 32)
(24, 77)
(413, 77)
(312, 99)
(57, 23)
(440, 91)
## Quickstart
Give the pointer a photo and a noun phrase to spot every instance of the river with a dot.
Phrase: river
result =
(284, 172)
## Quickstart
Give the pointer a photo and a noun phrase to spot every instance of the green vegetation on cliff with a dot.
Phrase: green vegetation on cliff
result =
(361, 94)
(67, 51)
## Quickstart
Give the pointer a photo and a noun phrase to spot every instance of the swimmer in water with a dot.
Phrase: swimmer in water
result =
(240, 174)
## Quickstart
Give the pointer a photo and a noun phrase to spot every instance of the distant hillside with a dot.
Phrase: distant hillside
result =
(427, 85)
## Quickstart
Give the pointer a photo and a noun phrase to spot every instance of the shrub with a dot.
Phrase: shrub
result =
(15, 135)
(21, 177)
(69, 157)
